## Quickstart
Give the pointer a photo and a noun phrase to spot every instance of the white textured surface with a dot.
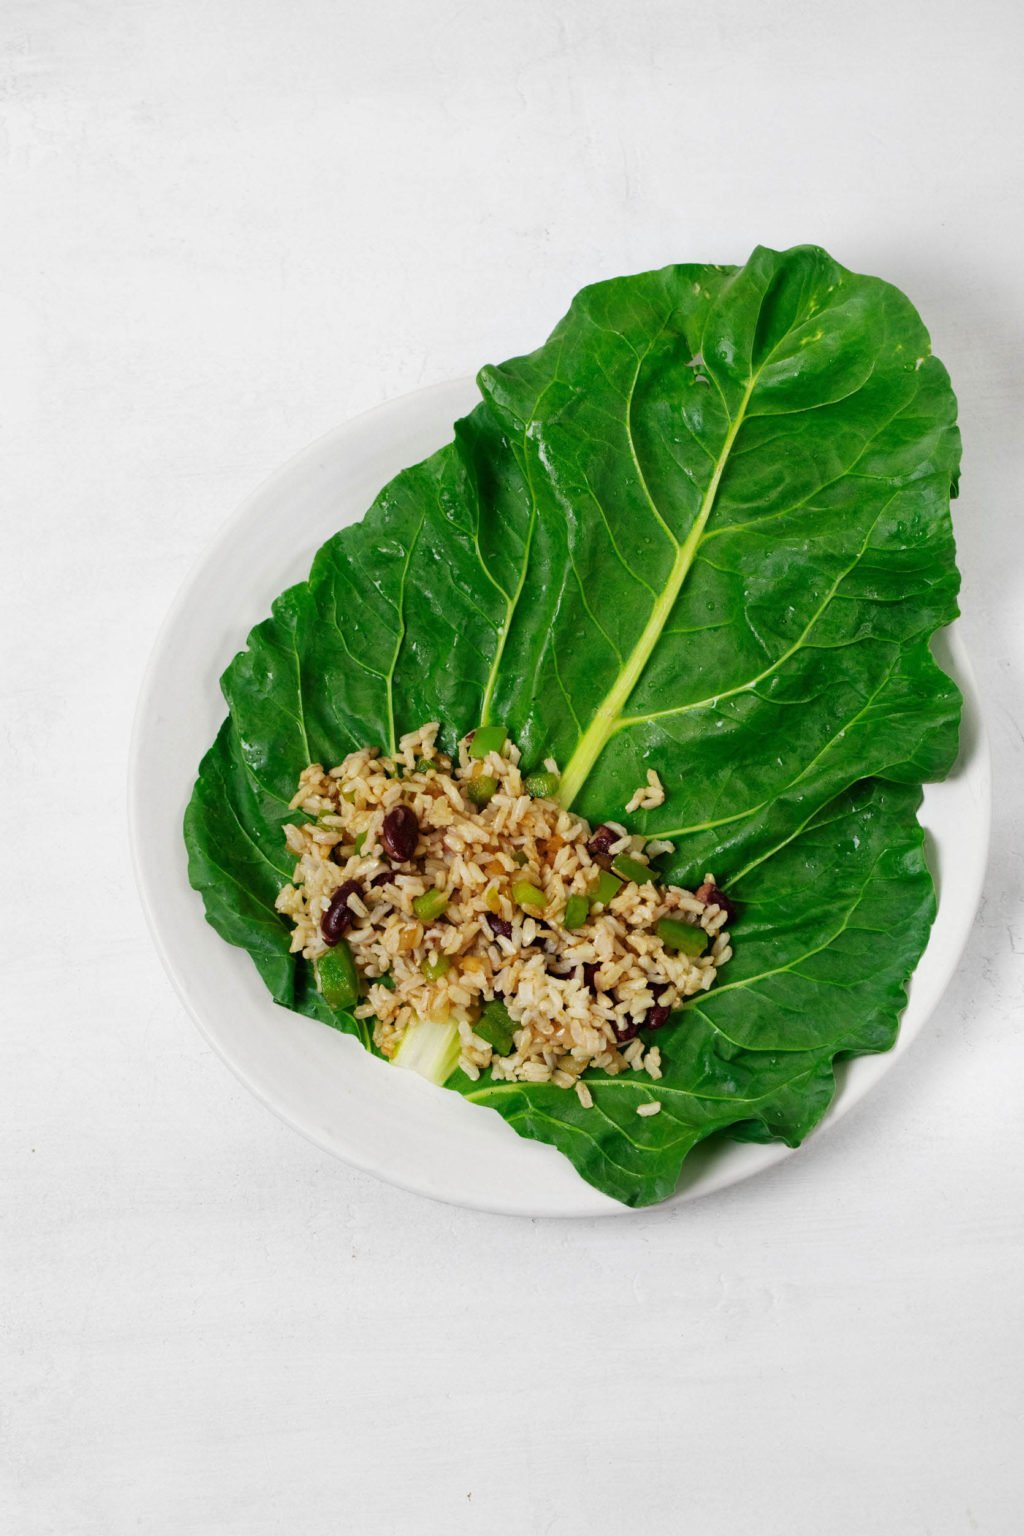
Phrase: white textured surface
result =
(225, 227)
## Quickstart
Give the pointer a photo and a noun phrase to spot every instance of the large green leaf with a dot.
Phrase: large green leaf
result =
(705, 528)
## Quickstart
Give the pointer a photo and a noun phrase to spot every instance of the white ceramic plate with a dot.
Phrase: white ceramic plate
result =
(387, 1122)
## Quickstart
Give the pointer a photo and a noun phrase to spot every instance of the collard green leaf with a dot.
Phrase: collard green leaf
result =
(705, 529)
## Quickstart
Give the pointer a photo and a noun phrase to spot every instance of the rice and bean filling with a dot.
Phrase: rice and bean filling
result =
(461, 891)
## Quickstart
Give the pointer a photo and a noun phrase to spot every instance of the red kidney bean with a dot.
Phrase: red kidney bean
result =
(714, 897)
(590, 970)
(384, 878)
(339, 915)
(399, 834)
(601, 841)
(498, 925)
(656, 1016)
(626, 1033)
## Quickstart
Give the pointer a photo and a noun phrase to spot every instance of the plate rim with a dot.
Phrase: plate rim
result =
(859, 1075)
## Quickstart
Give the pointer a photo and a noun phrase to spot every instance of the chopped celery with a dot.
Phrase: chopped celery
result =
(542, 785)
(433, 970)
(526, 894)
(495, 1025)
(337, 977)
(632, 869)
(681, 936)
(605, 888)
(482, 789)
(487, 738)
(431, 1048)
(430, 905)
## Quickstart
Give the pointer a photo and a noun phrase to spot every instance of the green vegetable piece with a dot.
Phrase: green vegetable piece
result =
(605, 888)
(430, 1048)
(495, 1025)
(525, 894)
(430, 905)
(632, 869)
(433, 970)
(425, 765)
(387, 980)
(337, 977)
(357, 846)
(487, 738)
(577, 909)
(542, 785)
(519, 857)
(681, 936)
(482, 789)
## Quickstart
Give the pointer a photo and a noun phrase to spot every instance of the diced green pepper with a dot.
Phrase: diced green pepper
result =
(425, 765)
(357, 846)
(430, 905)
(495, 1025)
(487, 738)
(605, 888)
(577, 909)
(681, 936)
(519, 857)
(481, 789)
(526, 894)
(632, 869)
(337, 977)
(433, 970)
(542, 786)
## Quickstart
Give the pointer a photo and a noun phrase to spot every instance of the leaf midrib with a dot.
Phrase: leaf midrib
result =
(625, 722)
(607, 715)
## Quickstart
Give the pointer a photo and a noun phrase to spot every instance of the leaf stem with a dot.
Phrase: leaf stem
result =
(606, 718)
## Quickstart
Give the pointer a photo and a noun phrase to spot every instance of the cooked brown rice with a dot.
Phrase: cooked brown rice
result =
(647, 797)
(566, 1018)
